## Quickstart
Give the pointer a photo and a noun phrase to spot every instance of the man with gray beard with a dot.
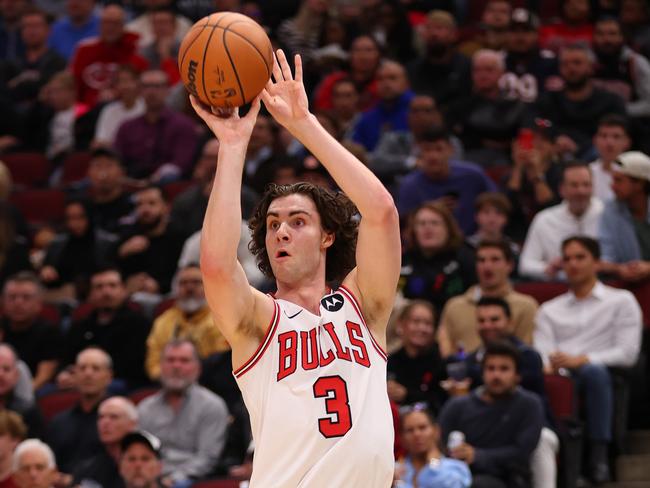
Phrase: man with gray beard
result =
(189, 318)
(189, 420)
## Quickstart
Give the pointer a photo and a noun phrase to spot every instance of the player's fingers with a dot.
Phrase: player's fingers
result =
(255, 107)
(199, 107)
(284, 65)
(298, 62)
(277, 72)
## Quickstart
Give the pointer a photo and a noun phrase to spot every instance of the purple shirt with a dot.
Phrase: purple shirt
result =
(145, 146)
(465, 182)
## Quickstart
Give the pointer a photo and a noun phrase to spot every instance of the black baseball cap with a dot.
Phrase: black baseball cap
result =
(522, 18)
(142, 437)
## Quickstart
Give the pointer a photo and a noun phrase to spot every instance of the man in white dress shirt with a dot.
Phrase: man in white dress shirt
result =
(611, 139)
(578, 214)
(585, 331)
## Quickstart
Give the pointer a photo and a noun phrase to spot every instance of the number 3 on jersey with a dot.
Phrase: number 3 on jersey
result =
(335, 391)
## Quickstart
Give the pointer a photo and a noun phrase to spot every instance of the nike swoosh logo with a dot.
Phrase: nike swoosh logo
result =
(294, 315)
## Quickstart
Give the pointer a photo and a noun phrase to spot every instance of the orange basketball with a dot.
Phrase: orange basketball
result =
(225, 59)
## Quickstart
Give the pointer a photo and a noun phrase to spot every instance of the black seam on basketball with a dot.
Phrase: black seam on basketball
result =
(205, 52)
(234, 69)
(268, 68)
(180, 65)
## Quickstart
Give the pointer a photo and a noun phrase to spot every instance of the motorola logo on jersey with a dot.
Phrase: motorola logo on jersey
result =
(333, 303)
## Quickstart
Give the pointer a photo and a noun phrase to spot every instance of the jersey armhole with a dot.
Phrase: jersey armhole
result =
(357, 308)
(264, 344)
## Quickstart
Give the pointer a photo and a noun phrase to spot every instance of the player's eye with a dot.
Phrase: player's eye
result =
(299, 222)
(275, 225)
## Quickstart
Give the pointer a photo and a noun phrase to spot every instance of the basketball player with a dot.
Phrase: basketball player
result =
(309, 360)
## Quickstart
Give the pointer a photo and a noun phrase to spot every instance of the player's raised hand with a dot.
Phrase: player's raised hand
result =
(228, 126)
(285, 98)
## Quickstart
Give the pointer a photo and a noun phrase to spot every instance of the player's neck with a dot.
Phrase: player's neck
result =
(306, 294)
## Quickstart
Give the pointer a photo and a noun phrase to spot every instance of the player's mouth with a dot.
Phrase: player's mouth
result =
(282, 254)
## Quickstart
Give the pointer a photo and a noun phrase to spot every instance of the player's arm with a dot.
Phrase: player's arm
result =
(235, 305)
(374, 280)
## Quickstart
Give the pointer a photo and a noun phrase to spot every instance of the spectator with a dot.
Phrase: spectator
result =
(72, 433)
(500, 421)
(34, 465)
(110, 203)
(13, 431)
(436, 265)
(457, 329)
(442, 72)
(424, 465)
(11, 43)
(575, 26)
(190, 420)
(491, 32)
(149, 249)
(143, 25)
(579, 213)
(625, 223)
(189, 318)
(158, 145)
(37, 342)
(345, 106)
(393, 30)
(533, 182)
(95, 61)
(364, 59)
(128, 104)
(9, 400)
(621, 70)
(27, 74)
(487, 121)
(162, 51)
(529, 69)
(585, 331)
(396, 152)
(634, 16)
(81, 22)
(140, 464)
(259, 154)
(14, 248)
(457, 183)
(390, 113)
(416, 369)
(493, 316)
(493, 210)
(576, 110)
(114, 327)
(612, 138)
(116, 418)
(73, 254)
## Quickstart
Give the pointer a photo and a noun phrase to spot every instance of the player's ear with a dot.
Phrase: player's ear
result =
(327, 239)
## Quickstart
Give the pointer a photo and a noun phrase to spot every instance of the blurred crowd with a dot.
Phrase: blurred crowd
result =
(513, 135)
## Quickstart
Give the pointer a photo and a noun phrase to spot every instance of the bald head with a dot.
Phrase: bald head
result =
(116, 417)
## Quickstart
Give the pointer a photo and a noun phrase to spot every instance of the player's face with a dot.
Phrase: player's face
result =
(418, 433)
(295, 241)
(417, 328)
(500, 375)
(492, 323)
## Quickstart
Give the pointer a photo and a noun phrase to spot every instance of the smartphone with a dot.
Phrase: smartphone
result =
(525, 139)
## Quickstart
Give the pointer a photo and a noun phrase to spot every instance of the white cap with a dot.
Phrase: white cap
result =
(634, 164)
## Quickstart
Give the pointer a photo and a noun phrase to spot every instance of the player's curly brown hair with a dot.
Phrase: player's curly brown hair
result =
(337, 215)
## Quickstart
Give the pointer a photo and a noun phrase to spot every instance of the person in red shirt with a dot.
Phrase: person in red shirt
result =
(12, 431)
(575, 26)
(95, 62)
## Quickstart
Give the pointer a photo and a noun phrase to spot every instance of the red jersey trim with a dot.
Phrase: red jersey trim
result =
(261, 349)
(357, 308)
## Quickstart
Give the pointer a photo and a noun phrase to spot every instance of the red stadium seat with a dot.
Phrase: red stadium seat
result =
(75, 167)
(498, 173)
(140, 394)
(40, 206)
(217, 484)
(542, 291)
(28, 170)
(561, 395)
(163, 306)
(172, 190)
(55, 402)
(51, 314)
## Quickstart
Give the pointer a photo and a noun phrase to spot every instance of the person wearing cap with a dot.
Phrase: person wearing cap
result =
(624, 231)
(585, 332)
(530, 70)
(578, 214)
(442, 72)
(140, 464)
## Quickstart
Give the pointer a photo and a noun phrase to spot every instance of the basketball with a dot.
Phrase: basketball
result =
(225, 59)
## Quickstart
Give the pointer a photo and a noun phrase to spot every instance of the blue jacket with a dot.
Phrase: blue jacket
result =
(447, 473)
(618, 240)
(381, 118)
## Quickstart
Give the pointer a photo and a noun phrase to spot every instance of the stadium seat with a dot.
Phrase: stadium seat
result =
(140, 394)
(75, 167)
(498, 173)
(28, 170)
(52, 403)
(40, 206)
(163, 306)
(172, 190)
(217, 484)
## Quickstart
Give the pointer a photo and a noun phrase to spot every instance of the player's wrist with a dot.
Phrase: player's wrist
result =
(303, 125)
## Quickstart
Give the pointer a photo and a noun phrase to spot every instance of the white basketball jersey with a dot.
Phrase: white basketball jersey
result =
(316, 393)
